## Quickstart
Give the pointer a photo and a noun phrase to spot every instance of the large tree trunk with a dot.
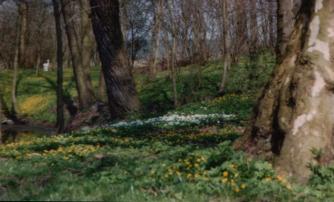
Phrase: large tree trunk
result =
(295, 113)
(80, 47)
(60, 98)
(120, 86)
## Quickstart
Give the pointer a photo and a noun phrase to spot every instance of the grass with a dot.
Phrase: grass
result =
(148, 164)
(129, 164)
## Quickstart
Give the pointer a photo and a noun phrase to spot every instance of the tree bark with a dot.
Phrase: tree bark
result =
(121, 91)
(295, 114)
(15, 71)
(286, 17)
(158, 6)
(60, 98)
(23, 14)
(102, 88)
(79, 46)
(226, 48)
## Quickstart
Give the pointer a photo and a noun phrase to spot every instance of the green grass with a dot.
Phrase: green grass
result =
(180, 164)
(145, 164)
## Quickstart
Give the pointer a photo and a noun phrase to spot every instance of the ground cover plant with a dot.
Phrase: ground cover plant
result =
(149, 161)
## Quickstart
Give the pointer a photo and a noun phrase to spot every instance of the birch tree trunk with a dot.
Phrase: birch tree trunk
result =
(295, 112)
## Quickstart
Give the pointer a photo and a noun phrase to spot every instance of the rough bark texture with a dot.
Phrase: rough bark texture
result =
(295, 113)
(79, 46)
(122, 96)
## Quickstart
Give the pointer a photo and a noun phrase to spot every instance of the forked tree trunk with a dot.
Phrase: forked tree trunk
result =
(295, 113)
(120, 86)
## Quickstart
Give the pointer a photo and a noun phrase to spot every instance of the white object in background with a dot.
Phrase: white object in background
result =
(46, 66)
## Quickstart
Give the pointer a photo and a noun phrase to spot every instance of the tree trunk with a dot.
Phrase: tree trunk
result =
(253, 23)
(295, 114)
(15, 72)
(174, 73)
(38, 63)
(226, 48)
(286, 18)
(102, 88)
(23, 14)
(60, 99)
(121, 91)
(79, 47)
(156, 37)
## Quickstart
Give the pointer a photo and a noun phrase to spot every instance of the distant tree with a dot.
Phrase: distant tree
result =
(23, 13)
(226, 47)
(120, 86)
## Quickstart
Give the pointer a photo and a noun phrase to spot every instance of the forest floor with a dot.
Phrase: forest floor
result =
(160, 154)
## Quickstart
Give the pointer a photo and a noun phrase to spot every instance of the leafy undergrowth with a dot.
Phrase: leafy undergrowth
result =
(144, 164)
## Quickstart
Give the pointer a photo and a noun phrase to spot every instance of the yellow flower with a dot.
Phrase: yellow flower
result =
(224, 180)
(279, 178)
(243, 186)
(225, 174)
(233, 166)
(237, 190)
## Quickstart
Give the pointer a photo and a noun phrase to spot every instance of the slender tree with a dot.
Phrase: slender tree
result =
(226, 47)
(295, 114)
(121, 91)
(60, 99)
(19, 51)
(23, 13)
